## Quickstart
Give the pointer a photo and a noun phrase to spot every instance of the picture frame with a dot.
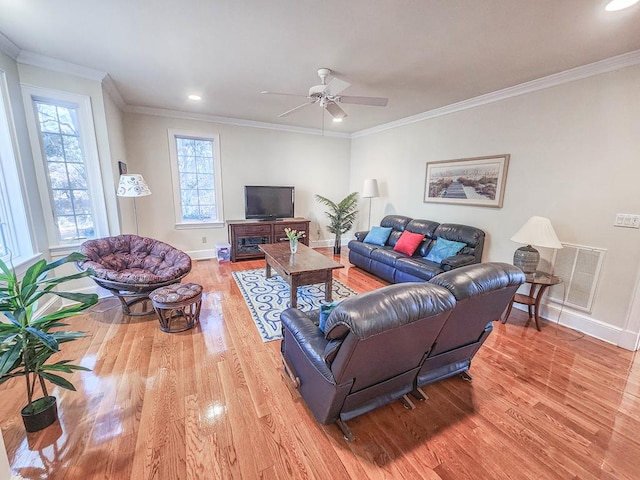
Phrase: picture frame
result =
(477, 181)
(122, 168)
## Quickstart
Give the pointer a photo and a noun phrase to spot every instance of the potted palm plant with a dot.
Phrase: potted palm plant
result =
(341, 216)
(28, 340)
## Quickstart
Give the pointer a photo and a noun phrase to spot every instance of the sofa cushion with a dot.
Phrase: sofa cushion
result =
(378, 235)
(396, 222)
(408, 242)
(386, 255)
(362, 248)
(419, 268)
(444, 248)
(426, 227)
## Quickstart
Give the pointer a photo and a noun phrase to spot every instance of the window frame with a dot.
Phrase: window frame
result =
(88, 142)
(180, 222)
(16, 229)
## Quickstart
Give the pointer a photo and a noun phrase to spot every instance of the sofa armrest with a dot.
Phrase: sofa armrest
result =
(456, 261)
(308, 336)
(360, 236)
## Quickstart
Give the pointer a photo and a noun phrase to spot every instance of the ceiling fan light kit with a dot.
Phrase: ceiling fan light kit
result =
(328, 96)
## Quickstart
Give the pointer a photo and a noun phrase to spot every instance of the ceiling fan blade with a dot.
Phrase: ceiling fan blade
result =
(335, 110)
(335, 86)
(373, 101)
(310, 102)
(266, 92)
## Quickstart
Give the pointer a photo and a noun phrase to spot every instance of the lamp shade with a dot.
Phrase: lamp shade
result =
(133, 185)
(537, 231)
(370, 188)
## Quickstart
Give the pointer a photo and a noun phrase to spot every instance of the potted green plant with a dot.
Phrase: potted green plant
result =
(341, 216)
(27, 341)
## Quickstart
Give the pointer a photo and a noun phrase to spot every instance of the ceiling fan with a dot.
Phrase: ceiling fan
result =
(328, 96)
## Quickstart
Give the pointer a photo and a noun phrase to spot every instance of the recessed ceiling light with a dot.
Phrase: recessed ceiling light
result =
(337, 120)
(195, 97)
(615, 5)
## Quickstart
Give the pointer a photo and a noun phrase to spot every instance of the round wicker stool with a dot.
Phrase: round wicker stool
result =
(177, 306)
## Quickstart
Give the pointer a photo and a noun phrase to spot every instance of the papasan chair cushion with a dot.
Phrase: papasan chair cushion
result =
(132, 266)
(135, 260)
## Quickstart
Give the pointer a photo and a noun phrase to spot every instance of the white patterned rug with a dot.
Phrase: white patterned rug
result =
(268, 297)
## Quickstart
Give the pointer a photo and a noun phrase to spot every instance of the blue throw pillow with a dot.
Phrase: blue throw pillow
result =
(325, 311)
(378, 236)
(443, 249)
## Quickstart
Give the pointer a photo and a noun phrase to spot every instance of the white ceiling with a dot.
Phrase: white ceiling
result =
(421, 54)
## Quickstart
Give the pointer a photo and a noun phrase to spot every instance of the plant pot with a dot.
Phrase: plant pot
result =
(44, 413)
(336, 250)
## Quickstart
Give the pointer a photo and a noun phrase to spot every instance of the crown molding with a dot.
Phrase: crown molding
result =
(37, 60)
(161, 112)
(8, 47)
(112, 89)
(591, 69)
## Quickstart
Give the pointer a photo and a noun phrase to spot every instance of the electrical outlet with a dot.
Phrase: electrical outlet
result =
(204, 239)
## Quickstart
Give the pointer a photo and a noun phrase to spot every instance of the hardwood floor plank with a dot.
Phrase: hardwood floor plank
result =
(213, 403)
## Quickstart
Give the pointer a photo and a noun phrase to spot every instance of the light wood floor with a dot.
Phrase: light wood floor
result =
(212, 403)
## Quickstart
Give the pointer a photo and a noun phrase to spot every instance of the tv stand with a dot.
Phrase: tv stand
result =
(246, 235)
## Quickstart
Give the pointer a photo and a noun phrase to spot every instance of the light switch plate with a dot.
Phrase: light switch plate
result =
(627, 220)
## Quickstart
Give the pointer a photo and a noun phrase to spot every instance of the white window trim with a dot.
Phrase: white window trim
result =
(175, 179)
(90, 151)
(20, 237)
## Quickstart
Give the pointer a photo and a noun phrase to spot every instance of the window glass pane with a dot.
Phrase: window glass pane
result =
(48, 117)
(66, 171)
(196, 168)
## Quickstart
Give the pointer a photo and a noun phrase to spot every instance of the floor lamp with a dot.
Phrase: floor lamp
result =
(133, 185)
(370, 190)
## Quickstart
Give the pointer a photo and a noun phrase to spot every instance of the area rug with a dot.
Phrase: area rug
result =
(268, 297)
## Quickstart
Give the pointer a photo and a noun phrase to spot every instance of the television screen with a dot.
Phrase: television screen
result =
(268, 203)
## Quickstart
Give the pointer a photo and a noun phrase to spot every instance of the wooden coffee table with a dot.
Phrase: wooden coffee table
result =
(305, 267)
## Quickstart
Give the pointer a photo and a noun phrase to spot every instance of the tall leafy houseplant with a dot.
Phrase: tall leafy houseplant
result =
(341, 216)
(27, 341)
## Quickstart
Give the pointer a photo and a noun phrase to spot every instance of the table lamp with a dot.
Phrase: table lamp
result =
(537, 231)
(133, 185)
(370, 190)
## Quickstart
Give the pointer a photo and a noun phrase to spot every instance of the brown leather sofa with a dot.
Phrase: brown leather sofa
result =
(382, 345)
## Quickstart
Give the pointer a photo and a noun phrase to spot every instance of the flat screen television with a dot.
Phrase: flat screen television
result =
(268, 203)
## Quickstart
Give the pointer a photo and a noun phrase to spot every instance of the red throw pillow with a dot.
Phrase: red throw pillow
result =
(408, 242)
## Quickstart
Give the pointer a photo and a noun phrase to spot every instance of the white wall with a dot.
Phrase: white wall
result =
(250, 156)
(574, 159)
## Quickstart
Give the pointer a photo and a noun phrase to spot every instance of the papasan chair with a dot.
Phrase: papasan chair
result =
(131, 267)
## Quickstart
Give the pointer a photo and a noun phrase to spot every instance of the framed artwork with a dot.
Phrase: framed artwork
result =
(467, 181)
(122, 167)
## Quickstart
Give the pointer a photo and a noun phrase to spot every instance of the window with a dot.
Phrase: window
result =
(61, 129)
(60, 139)
(195, 167)
(16, 244)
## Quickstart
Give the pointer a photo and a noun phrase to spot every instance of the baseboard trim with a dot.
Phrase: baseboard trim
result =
(203, 254)
(629, 340)
(594, 328)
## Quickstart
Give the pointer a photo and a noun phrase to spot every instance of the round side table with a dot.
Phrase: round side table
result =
(539, 282)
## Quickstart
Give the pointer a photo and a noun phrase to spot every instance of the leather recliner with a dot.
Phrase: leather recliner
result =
(382, 345)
